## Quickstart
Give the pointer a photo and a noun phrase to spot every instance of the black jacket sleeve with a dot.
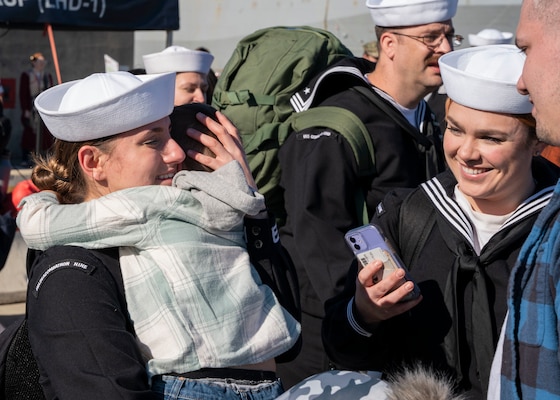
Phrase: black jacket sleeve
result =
(78, 329)
(320, 182)
(349, 342)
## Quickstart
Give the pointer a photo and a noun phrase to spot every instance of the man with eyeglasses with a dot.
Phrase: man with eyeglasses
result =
(319, 173)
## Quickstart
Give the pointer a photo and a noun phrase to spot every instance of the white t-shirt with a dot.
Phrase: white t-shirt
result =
(484, 225)
(412, 115)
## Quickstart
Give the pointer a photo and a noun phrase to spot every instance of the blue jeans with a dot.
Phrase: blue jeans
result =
(179, 388)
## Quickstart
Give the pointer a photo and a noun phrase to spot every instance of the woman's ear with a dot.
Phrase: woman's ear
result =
(90, 159)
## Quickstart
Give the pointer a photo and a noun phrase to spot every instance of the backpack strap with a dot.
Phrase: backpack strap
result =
(349, 126)
(416, 221)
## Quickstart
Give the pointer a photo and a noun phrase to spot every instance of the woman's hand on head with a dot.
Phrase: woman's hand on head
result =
(228, 147)
(378, 300)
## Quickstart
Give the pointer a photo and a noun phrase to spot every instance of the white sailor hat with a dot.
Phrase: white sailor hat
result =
(178, 59)
(490, 36)
(392, 13)
(485, 78)
(105, 104)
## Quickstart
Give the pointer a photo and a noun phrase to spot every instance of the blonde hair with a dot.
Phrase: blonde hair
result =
(371, 49)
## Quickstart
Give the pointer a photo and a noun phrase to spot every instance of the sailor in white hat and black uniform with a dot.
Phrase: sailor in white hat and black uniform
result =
(112, 133)
(459, 234)
(319, 174)
(191, 66)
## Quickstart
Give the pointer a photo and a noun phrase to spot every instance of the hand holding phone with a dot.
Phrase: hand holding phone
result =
(368, 244)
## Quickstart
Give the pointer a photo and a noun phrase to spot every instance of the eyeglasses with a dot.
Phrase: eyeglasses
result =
(434, 41)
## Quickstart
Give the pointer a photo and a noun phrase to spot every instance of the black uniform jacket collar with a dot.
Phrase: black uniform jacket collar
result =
(340, 76)
(440, 192)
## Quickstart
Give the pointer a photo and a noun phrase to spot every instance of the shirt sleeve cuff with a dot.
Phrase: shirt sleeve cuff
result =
(353, 321)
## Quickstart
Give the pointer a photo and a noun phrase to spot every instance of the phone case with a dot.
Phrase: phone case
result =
(368, 243)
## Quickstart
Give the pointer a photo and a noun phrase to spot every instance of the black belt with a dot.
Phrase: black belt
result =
(228, 373)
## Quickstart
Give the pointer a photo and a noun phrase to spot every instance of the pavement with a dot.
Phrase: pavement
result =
(13, 276)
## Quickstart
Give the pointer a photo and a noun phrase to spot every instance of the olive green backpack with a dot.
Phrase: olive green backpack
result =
(254, 90)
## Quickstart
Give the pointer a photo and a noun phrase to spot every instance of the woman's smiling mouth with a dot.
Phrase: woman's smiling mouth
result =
(474, 171)
(166, 176)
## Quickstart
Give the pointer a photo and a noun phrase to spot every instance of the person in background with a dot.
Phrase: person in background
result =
(191, 68)
(490, 36)
(5, 155)
(319, 173)
(7, 217)
(212, 79)
(467, 226)
(436, 100)
(371, 52)
(137, 71)
(31, 83)
(5, 132)
(530, 367)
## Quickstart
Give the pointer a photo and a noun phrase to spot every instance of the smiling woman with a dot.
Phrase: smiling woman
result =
(89, 162)
(196, 317)
(475, 218)
(490, 164)
(490, 141)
